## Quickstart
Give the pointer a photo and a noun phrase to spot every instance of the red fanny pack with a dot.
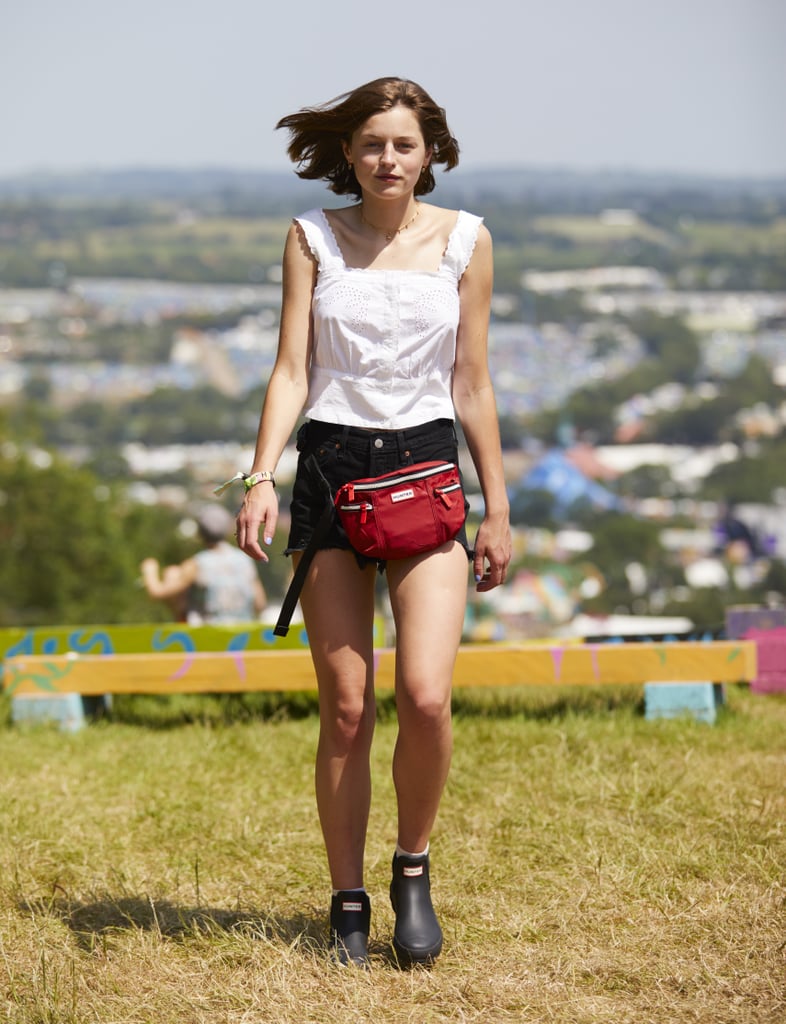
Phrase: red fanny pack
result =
(403, 513)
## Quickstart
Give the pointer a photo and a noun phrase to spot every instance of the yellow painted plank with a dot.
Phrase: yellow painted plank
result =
(595, 664)
(476, 665)
(192, 672)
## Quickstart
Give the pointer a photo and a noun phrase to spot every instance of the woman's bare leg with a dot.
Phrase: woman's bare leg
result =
(428, 595)
(338, 610)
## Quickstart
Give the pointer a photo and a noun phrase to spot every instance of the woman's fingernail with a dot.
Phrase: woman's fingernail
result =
(478, 577)
(268, 540)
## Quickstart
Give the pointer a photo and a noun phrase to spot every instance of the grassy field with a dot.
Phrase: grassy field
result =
(217, 247)
(209, 249)
(589, 866)
(598, 229)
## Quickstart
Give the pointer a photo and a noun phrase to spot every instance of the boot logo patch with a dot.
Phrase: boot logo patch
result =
(414, 872)
(351, 907)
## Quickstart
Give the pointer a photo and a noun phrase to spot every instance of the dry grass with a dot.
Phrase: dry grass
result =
(589, 867)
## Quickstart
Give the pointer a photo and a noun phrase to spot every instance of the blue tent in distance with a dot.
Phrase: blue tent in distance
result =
(557, 475)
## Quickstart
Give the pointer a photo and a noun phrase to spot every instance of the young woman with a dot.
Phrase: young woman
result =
(383, 343)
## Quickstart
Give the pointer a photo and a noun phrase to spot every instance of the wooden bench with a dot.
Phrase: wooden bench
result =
(477, 665)
(53, 650)
(92, 661)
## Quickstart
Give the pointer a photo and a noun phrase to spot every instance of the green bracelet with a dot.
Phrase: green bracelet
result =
(249, 480)
(261, 477)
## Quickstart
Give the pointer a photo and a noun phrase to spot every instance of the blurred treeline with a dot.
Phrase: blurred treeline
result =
(70, 544)
(72, 536)
(71, 541)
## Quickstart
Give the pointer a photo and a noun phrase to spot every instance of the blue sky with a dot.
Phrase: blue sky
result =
(678, 85)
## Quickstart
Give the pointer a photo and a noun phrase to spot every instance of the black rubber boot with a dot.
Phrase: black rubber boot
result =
(350, 920)
(417, 937)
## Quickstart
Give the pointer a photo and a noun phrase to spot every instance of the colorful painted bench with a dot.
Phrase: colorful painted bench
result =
(47, 664)
(36, 663)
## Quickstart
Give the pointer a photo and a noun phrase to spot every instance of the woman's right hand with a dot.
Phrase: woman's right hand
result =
(258, 512)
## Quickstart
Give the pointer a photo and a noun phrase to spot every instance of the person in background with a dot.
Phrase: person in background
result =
(734, 538)
(216, 585)
(383, 343)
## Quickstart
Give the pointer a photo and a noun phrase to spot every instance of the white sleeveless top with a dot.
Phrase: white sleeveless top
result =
(384, 340)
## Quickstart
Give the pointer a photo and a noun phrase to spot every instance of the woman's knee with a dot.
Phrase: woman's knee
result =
(348, 720)
(424, 706)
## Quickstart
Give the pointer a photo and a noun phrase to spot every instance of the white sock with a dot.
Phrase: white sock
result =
(406, 853)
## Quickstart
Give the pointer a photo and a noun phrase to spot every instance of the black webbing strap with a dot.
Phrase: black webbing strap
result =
(319, 534)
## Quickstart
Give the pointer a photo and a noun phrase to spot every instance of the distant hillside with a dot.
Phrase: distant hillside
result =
(505, 183)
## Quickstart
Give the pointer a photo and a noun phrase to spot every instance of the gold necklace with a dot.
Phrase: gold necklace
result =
(390, 235)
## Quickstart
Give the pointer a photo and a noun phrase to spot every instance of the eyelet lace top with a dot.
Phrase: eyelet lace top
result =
(384, 340)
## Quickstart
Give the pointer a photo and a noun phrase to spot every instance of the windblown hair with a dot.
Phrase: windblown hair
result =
(316, 133)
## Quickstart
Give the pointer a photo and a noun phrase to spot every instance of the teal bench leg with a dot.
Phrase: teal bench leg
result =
(68, 710)
(670, 700)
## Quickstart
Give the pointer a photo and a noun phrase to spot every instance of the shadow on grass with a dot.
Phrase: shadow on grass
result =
(536, 702)
(169, 711)
(94, 922)
(547, 703)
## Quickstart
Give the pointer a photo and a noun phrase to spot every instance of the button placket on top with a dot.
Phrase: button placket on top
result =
(392, 328)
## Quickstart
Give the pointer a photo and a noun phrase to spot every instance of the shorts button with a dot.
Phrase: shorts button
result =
(378, 442)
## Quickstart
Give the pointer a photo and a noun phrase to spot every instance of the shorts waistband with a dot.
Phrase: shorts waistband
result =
(320, 430)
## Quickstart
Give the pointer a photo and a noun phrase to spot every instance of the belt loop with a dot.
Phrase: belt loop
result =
(404, 454)
(343, 442)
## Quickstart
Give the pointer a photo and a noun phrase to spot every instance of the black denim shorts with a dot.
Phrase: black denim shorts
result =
(350, 453)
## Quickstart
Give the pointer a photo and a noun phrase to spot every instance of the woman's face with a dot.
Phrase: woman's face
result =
(388, 153)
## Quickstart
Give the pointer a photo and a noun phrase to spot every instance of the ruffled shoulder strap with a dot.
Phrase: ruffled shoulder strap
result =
(461, 243)
(320, 238)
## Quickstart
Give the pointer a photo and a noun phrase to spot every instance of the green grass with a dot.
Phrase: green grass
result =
(589, 866)
(584, 229)
(215, 248)
(735, 237)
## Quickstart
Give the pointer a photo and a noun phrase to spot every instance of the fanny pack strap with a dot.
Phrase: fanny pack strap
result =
(320, 532)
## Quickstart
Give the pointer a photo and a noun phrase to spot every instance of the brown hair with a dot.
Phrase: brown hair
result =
(316, 133)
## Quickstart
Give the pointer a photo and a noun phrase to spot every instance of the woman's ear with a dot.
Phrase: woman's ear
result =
(347, 151)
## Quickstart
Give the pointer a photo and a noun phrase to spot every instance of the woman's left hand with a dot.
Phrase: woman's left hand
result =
(492, 545)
